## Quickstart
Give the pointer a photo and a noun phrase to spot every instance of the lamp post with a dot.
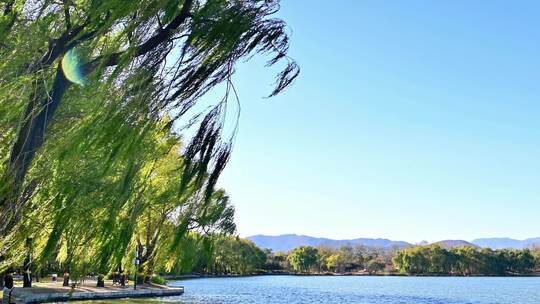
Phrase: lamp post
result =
(27, 274)
(136, 262)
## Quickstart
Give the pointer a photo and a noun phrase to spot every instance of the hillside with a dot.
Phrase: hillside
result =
(501, 243)
(287, 242)
(454, 243)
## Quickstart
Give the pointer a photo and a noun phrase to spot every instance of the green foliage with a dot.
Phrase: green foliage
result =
(221, 255)
(93, 169)
(335, 262)
(232, 255)
(235, 255)
(431, 259)
(303, 258)
(464, 261)
(375, 265)
(156, 279)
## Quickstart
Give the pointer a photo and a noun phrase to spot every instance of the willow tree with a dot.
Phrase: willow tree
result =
(159, 56)
(233, 255)
(162, 245)
(91, 214)
(166, 215)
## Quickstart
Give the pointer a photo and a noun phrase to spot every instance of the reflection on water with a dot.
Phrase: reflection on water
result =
(347, 289)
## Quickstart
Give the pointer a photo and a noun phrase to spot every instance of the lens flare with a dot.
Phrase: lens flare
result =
(72, 67)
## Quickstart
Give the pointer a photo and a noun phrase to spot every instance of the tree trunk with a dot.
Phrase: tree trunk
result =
(140, 277)
(147, 278)
(140, 263)
(27, 279)
(66, 279)
(149, 271)
(30, 138)
(8, 280)
(140, 274)
(122, 279)
(100, 281)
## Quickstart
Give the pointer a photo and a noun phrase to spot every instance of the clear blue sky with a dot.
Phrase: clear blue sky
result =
(411, 120)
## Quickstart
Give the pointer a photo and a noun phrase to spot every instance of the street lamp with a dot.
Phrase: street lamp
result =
(136, 262)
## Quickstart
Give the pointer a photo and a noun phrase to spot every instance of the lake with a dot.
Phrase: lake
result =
(354, 289)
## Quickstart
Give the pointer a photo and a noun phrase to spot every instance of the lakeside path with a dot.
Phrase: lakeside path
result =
(54, 292)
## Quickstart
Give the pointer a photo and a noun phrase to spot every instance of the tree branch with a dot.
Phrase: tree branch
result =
(67, 15)
(9, 7)
(162, 35)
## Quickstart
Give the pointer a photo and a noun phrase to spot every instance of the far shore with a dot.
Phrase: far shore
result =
(206, 276)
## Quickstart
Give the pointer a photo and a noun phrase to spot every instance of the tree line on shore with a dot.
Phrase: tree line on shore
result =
(239, 256)
(109, 156)
(466, 261)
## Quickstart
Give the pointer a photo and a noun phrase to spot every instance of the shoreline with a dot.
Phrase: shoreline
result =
(210, 276)
(54, 292)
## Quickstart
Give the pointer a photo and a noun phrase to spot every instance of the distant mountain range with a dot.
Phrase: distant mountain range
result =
(287, 242)
(501, 243)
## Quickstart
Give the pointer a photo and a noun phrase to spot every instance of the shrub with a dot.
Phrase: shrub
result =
(156, 279)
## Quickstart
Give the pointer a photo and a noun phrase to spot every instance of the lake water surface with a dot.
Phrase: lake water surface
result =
(354, 289)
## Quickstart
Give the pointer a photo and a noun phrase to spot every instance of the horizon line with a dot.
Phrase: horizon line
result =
(391, 239)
